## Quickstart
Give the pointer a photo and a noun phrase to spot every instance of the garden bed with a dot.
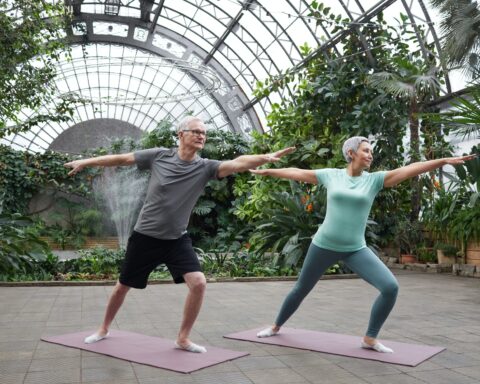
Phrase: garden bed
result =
(86, 283)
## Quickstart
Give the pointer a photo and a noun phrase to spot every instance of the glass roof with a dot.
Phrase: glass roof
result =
(148, 60)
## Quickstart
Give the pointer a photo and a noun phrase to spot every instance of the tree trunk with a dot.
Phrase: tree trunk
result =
(414, 157)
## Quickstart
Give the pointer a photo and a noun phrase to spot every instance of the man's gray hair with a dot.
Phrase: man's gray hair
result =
(352, 143)
(185, 122)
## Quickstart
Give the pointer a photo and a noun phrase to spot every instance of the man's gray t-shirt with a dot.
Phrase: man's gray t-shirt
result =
(173, 190)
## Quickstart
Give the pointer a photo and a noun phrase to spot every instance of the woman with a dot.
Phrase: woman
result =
(350, 194)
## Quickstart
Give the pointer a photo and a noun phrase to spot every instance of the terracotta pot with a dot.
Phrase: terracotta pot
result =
(404, 259)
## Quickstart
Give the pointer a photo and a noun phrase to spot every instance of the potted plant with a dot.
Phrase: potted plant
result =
(408, 237)
(446, 253)
(465, 226)
(426, 254)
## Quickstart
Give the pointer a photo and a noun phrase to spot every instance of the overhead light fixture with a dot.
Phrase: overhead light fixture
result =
(112, 7)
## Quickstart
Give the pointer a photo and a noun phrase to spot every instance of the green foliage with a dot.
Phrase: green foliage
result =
(77, 218)
(31, 43)
(465, 225)
(453, 215)
(20, 246)
(241, 263)
(23, 174)
(409, 236)
(448, 250)
(290, 224)
(96, 261)
(463, 118)
(460, 25)
(162, 136)
(426, 255)
(437, 216)
(331, 100)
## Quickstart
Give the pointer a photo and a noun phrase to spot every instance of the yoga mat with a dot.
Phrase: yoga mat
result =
(148, 350)
(345, 345)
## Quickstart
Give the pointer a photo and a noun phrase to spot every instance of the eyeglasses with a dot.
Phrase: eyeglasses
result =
(196, 132)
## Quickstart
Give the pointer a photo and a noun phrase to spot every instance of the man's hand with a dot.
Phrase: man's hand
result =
(245, 162)
(76, 165)
(276, 156)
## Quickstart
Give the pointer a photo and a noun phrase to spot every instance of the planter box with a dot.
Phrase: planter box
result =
(105, 242)
(91, 242)
(473, 253)
(442, 259)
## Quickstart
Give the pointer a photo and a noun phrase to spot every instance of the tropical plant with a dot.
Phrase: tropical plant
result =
(426, 255)
(24, 174)
(416, 85)
(467, 178)
(463, 119)
(460, 26)
(448, 250)
(409, 236)
(289, 226)
(438, 213)
(20, 247)
(98, 262)
(31, 44)
(329, 103)
(465, 225)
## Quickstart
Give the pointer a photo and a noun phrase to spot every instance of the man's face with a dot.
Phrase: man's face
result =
(194, 136)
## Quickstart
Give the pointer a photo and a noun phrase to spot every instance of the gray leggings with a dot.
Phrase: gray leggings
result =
(363, 262)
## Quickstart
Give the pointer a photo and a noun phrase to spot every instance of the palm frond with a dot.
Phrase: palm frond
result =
(392, 84)
(203, 207)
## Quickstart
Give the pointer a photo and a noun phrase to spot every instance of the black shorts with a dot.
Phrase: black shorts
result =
(145, 253)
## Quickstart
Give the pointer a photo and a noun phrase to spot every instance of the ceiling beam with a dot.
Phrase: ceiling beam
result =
(157, 15)
(245, 7)
(370, 14)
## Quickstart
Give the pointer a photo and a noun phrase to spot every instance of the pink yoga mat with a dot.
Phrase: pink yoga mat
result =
(345, 345)
(147, 350)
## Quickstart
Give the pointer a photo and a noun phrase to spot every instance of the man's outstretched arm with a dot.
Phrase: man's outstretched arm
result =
(245, 162)
(101, 161)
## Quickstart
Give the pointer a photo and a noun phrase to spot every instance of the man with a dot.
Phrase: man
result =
(178, 177)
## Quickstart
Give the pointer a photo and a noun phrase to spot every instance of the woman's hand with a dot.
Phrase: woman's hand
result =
(260, 172)
(398, 175)
(459, 160)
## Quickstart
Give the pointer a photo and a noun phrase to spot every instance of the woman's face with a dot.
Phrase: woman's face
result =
(363, 157)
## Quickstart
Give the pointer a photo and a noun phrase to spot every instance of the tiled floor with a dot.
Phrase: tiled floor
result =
(431, 309)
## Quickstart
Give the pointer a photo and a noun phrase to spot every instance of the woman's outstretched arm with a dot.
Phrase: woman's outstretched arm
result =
(297, 174)
(398, 175)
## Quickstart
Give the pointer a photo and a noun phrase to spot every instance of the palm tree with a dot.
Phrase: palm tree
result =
(464, 118)
(415, 85)
(461, 33)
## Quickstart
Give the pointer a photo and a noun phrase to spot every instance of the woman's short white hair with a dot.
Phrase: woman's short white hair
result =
(185, 122)
(352, 144)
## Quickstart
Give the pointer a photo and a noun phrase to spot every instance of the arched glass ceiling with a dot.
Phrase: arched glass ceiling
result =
(242, 41)
(124, 83)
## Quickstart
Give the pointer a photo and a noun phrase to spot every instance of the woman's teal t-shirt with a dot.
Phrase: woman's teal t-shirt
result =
(349, 200)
